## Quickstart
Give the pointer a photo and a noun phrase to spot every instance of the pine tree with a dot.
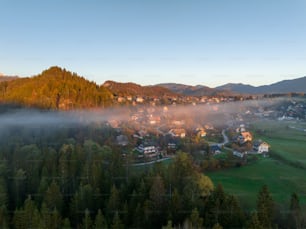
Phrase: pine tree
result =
(265, 207)
(28, 217)
(66, 224)
(168, 226)
(295, 212)
(53, 197)
(254, 222)
(117, 224)
(100, 221)
(3, 217)
(113, 201)
(87, 222)
(195, 219)
(217, 226)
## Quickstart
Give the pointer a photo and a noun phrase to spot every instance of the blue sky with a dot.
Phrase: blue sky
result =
(208, 42)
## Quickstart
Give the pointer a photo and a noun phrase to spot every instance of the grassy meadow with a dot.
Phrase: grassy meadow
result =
(284, 171)
(287, 139)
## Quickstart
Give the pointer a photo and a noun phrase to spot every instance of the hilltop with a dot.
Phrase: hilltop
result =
(132, 89)
(55, 88)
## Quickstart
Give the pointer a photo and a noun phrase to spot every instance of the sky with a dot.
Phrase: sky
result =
(207, 42)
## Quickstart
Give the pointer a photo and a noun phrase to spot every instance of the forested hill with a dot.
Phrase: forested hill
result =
(55, 88)
(132, 89)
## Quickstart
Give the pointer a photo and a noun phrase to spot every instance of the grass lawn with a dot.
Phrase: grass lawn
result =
(246, 181)
(280, 172)
(288, 143)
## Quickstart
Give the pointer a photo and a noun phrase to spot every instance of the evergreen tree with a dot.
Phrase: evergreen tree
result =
(168, 226)
(195, 219)
(3, 217)
(295, 218)
(28, 217)
(157, 201)
(100, 221)
(53, 197)
(87, 222)
(254, 222)
(265, 207)
(113, 201)
(66, 224)
(117, 224)
(217, 226)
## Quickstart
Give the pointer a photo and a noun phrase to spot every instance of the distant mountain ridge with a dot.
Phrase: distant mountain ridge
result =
(286, 86)
(198, 90)
(7, 78)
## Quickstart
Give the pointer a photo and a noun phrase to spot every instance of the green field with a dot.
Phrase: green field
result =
(245, 182)
(288, 143)
(284, 172)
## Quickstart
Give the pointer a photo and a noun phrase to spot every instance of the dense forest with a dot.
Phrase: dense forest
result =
(55, 88)
(74, 176)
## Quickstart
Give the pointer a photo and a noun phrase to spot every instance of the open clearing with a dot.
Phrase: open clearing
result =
(245, 182)
(284, 172)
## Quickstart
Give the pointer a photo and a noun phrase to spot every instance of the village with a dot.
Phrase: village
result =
(207, 129)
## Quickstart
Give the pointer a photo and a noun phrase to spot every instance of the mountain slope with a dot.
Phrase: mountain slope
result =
(132, 89)
(55, 88)
(239, 88)
(198, 90)
(286, 86)
(7, 78)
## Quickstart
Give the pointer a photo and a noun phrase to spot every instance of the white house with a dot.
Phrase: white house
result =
(239, 154)
(178, 133)
(147, 150)
(139, 100)
(263, 147)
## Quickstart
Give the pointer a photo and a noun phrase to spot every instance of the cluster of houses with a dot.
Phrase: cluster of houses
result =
(294, 111)
(175, 99)
(244, 136)
(148, 121)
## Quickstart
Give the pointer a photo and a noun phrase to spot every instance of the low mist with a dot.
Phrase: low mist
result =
(218, 114)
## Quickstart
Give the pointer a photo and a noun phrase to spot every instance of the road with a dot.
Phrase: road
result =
(225, 141)
(151, 162)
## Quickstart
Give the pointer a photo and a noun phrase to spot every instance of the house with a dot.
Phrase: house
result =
(141, 134)
(139, 100)
(215, 149)
(178, 122)
(263, 148)
(120, 99)
(171, 147)
(154, 120)
(245, 137)
(178, 133)
(209, 126)
(147, 150)
(239, 154)
(122, 140)
(201, 132)
(241, 129)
